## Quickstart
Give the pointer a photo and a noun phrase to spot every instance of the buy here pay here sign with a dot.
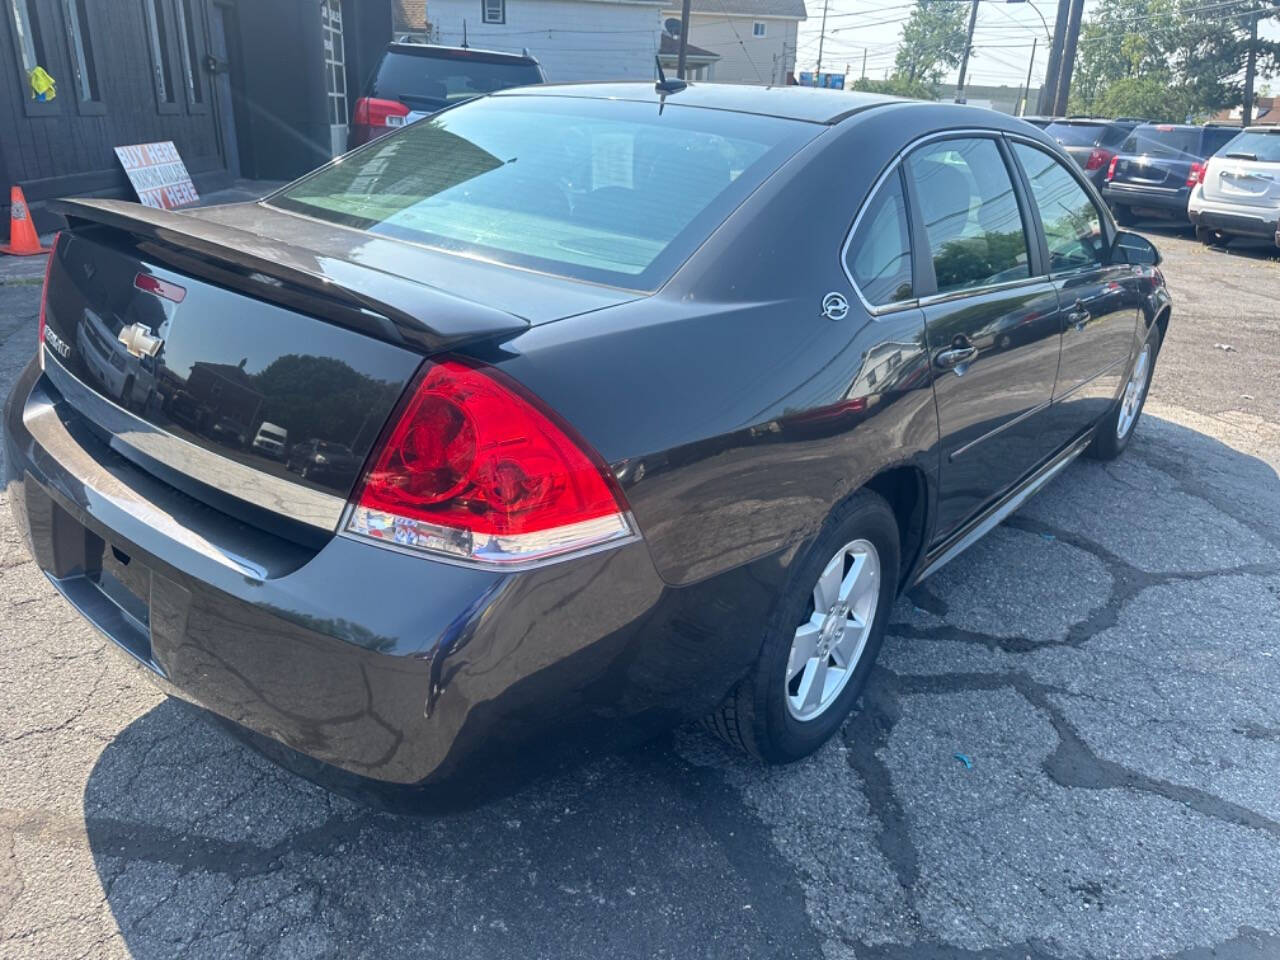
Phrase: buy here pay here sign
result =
(158, 174)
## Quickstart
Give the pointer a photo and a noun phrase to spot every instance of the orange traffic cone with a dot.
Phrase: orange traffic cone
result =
(23, 241)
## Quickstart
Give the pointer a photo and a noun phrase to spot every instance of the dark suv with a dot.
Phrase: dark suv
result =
(414, 80)
(1091, 142)
(1158, 166)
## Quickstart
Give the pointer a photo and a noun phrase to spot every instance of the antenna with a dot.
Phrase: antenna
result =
(665, 86)
(464, 34)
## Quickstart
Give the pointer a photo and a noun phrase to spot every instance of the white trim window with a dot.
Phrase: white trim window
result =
(757, 29)
(493, 11)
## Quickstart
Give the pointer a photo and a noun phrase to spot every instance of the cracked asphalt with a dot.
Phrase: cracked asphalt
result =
(1108, 662)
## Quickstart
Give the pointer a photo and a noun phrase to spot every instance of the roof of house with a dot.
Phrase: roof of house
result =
(751, 8)
(670, 47)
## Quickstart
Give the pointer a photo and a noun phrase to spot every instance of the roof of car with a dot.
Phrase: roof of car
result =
(459, 53)
(814, 104)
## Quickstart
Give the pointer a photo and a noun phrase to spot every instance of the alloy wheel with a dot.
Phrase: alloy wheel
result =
(829, 644)
(1134, 390)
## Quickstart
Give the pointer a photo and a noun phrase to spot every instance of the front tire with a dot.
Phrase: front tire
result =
(1115, 430)
(822, 639)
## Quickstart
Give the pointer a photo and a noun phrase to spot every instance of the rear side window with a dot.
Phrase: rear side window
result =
(1085, 134)
(425, 82)
(609, 191)
(970, 212)
(1251, 145)
(879, 257)
(1215, 138)
(1072, 223)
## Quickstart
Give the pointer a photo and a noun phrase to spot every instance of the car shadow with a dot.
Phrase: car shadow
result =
(1253, 248)
(204, 848)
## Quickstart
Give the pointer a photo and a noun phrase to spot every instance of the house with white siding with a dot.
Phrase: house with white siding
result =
(755, 39)
(574, 40)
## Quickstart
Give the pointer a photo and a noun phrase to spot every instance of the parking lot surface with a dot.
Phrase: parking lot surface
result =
(1069, 750)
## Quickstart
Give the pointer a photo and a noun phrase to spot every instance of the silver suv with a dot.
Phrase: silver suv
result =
(1239, 195)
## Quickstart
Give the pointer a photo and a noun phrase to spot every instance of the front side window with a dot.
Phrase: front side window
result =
(879, 256)
(494, 11)
(1072, 222)
(608, 191)
(970, 212)
(80, 39)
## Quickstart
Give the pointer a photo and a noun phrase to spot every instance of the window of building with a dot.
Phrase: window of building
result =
(970, 211)
(493, 11)
(1072, 223)
(27, 28)
(80, 44)
(158, 40)
(29, 52)
(188, 40)
(879, 256)
(757, 29)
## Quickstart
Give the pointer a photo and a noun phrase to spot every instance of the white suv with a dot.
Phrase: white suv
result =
(1239, 191)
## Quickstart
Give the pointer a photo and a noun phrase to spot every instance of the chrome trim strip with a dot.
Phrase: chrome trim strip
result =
(987, 288)
(1002, 510)
(133, 437)
(891, 167)
(1038, 408)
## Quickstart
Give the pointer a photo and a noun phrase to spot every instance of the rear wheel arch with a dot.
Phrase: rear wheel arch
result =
(906, 489)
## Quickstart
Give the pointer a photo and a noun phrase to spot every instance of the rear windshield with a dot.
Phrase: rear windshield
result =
(423, 81)
(1251, 145)
(1086, 134)
(609, 191)
(1164, 140)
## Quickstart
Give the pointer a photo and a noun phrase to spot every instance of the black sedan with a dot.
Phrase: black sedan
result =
(649, 402)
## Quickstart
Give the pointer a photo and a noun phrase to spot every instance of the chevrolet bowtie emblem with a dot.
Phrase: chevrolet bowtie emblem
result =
(140, 341)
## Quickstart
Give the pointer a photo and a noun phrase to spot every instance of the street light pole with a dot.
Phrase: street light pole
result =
(968, 46)
(1022, 105)
(817, 74)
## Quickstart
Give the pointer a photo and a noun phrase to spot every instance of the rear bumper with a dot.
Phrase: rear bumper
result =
(389, 668)
(1172, 201)
(1234, 219)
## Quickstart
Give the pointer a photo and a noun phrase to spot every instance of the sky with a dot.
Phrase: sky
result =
(1002, 39)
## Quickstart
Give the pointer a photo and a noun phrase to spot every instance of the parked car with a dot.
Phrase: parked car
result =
(272, 440)
(414, 80)
(1157, 167)
(1239, 195)
(320, 459)
(619, 457)
(1091, 142)
(1038, 121)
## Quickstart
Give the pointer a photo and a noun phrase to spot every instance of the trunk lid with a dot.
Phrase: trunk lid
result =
(1144, 171)
(240, 364)
(1248, 182)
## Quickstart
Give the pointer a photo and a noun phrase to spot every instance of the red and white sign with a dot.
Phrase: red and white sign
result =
(158, 174)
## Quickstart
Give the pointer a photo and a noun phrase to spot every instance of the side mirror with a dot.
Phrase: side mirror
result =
(1132, 248)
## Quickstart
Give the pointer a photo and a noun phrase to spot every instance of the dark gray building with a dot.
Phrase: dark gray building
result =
(244, 88)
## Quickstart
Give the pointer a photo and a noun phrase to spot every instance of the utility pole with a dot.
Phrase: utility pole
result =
(817, 74)
(1068, 63)
(683, 56)
(864, 63)
(1049, 89)
(968, 46)
(1250, 68)
(1021, 106)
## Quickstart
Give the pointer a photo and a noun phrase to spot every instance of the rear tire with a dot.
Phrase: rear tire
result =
(816, 656)
(1124, 215)
(1212, 238)
(1115, 430)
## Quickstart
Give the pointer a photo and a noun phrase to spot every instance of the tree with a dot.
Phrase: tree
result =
(933, 41)
(1166, 59)
(897, 86)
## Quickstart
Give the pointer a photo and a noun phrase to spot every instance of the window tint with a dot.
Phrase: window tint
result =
(1254, 145)
(611, 191)
(970, 212)
(879, 257)
(1215, 138)
(1072, 223)
(1164, 140)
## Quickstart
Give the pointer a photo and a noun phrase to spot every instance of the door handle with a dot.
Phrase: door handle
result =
(954, 357)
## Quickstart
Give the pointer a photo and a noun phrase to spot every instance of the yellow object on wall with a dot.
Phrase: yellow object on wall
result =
(43, 86)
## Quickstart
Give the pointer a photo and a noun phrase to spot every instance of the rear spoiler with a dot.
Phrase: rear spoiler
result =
(380, 304)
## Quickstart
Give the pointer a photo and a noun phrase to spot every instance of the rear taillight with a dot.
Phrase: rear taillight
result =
(1196, 176)
(473, 467)
(44, 297)
(379, 113)
(1111, 167)
(1098, 158)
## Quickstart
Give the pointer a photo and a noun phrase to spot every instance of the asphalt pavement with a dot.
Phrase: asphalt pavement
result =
(1069, 750)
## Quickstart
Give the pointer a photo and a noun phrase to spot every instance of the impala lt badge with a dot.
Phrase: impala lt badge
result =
(140, 341)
